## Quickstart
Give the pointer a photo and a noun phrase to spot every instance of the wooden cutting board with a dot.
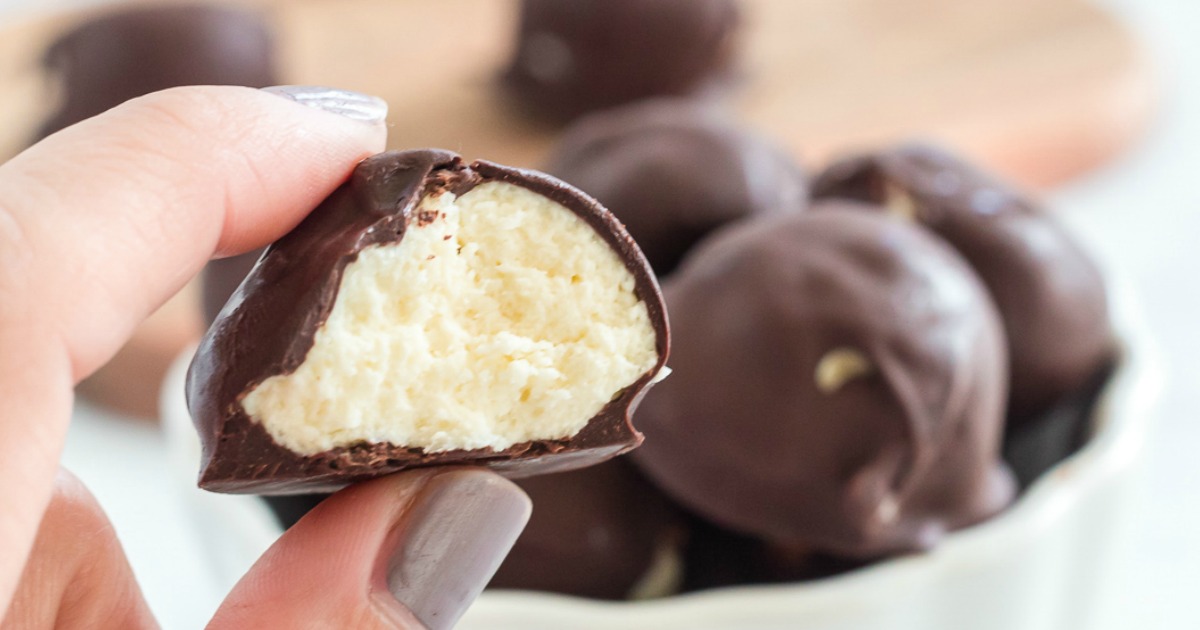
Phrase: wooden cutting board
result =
(1040, 90)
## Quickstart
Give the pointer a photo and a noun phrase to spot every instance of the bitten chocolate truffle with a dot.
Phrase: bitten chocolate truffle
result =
(602, 532)
(430, 312)
(129, 52)
(1050, 294)
(218, 282)
(838, 385)
(673, 170)
(573, 57)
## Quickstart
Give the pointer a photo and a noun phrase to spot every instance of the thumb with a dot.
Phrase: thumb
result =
(407, 551)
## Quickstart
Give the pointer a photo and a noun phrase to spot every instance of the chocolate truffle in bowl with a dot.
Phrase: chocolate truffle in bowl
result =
(1050, 294)
(601, 532)
(582, 55)
(126, 53)
(430, 312)
(838, 386)
(673, 170)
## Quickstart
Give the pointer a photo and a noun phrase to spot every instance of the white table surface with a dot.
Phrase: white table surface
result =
(1141, 214)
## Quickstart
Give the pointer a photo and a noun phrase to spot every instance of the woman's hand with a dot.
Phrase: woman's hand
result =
(99, 225)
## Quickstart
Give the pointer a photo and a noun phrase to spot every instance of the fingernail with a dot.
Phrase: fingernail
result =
(458, 531)
(352, 105)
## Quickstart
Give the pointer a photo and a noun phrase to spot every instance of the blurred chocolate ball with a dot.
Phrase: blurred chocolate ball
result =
(126, 53)
(572, 57)
(674, 170)
(601, 532)
(1050, 294)
(838, 386)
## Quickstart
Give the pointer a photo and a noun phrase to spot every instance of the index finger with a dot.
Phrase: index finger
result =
(102, 222)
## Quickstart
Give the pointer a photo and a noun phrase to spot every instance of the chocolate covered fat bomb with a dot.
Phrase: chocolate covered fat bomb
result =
(130, 52)
(602, 532)
(430, 312)
(582, 55)
(838, 386)
(1050, 294)
(674, 170)
(218, 282)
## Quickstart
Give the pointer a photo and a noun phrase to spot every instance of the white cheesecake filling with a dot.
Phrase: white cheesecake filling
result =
(506, 318)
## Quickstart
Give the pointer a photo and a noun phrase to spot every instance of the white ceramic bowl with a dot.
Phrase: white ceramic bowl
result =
(1047, 563)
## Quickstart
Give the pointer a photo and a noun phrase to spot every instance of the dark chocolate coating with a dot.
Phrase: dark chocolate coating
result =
(594, 532)
(674, 170)
(1050, 294)
(130, 52)
(888, 461)
(582, 55)
(267, 328)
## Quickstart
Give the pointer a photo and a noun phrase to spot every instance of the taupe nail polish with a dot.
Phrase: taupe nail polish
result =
(352, 105)
(457, 532)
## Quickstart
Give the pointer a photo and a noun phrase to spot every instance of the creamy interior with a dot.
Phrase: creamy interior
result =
(504, 319)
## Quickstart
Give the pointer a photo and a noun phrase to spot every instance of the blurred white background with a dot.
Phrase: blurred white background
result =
(1141, 213)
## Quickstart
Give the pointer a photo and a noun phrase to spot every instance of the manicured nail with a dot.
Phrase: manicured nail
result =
(458, 531)
(353, 105)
